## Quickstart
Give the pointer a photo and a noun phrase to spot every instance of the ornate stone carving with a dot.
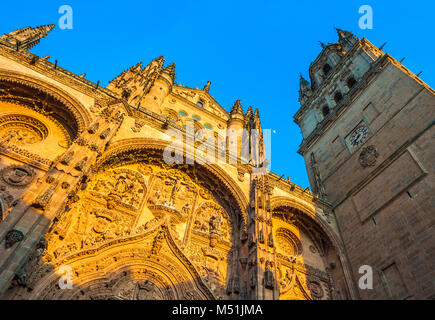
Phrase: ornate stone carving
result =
(288, 242)
(42, 201)
(13, 236)
(368, 156)
(21, 130)
(318, 187)
(93, 128)
(18, 176)
(81, 164)
(105, 133)
(316, 289)
(157, 243)
(138, 124)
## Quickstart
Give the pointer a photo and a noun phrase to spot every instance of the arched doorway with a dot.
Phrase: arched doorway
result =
(142, 229)
(38, 122)
(308, 265)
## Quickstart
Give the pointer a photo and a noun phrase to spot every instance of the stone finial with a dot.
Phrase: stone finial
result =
(207, 86)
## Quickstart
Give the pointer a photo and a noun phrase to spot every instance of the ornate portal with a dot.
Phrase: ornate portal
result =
(117, 221)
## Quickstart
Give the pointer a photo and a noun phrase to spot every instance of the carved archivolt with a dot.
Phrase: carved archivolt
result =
(74, 110)
(308, 215)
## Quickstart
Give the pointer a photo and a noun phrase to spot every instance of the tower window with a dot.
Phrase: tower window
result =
(351, 82)
(326, 69)
(338, 97)
(200, 104)
(325, 111)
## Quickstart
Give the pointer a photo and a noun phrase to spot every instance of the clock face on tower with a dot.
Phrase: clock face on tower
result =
(358, 136)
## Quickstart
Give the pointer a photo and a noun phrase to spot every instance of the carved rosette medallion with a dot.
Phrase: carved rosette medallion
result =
(21, 130)
(368, 156)
(17, 176)
(288, 242)
(316, 289)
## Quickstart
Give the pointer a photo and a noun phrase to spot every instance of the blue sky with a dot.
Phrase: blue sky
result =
(251, 50)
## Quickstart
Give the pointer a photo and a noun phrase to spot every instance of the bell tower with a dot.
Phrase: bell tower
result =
(367, 126)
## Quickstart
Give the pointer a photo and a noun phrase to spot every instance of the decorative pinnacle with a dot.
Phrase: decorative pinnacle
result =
(237, 107)
(207, 86)
(170, 69)
(249, 113)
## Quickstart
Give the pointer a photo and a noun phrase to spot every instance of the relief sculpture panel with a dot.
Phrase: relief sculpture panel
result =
(140, 217)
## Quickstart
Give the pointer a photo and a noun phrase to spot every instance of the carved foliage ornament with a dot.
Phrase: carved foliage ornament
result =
(368, 156)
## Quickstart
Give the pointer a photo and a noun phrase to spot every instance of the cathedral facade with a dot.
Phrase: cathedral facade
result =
(91, 209)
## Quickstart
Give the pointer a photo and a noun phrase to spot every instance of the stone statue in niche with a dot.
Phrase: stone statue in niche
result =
(268, 279)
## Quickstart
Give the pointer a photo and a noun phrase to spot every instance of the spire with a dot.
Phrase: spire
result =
(27, 37)
(207, 86)
(257, 122)
(237, 108)
(322, 44)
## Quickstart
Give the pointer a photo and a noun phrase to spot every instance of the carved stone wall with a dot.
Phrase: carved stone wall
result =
(83, 186)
